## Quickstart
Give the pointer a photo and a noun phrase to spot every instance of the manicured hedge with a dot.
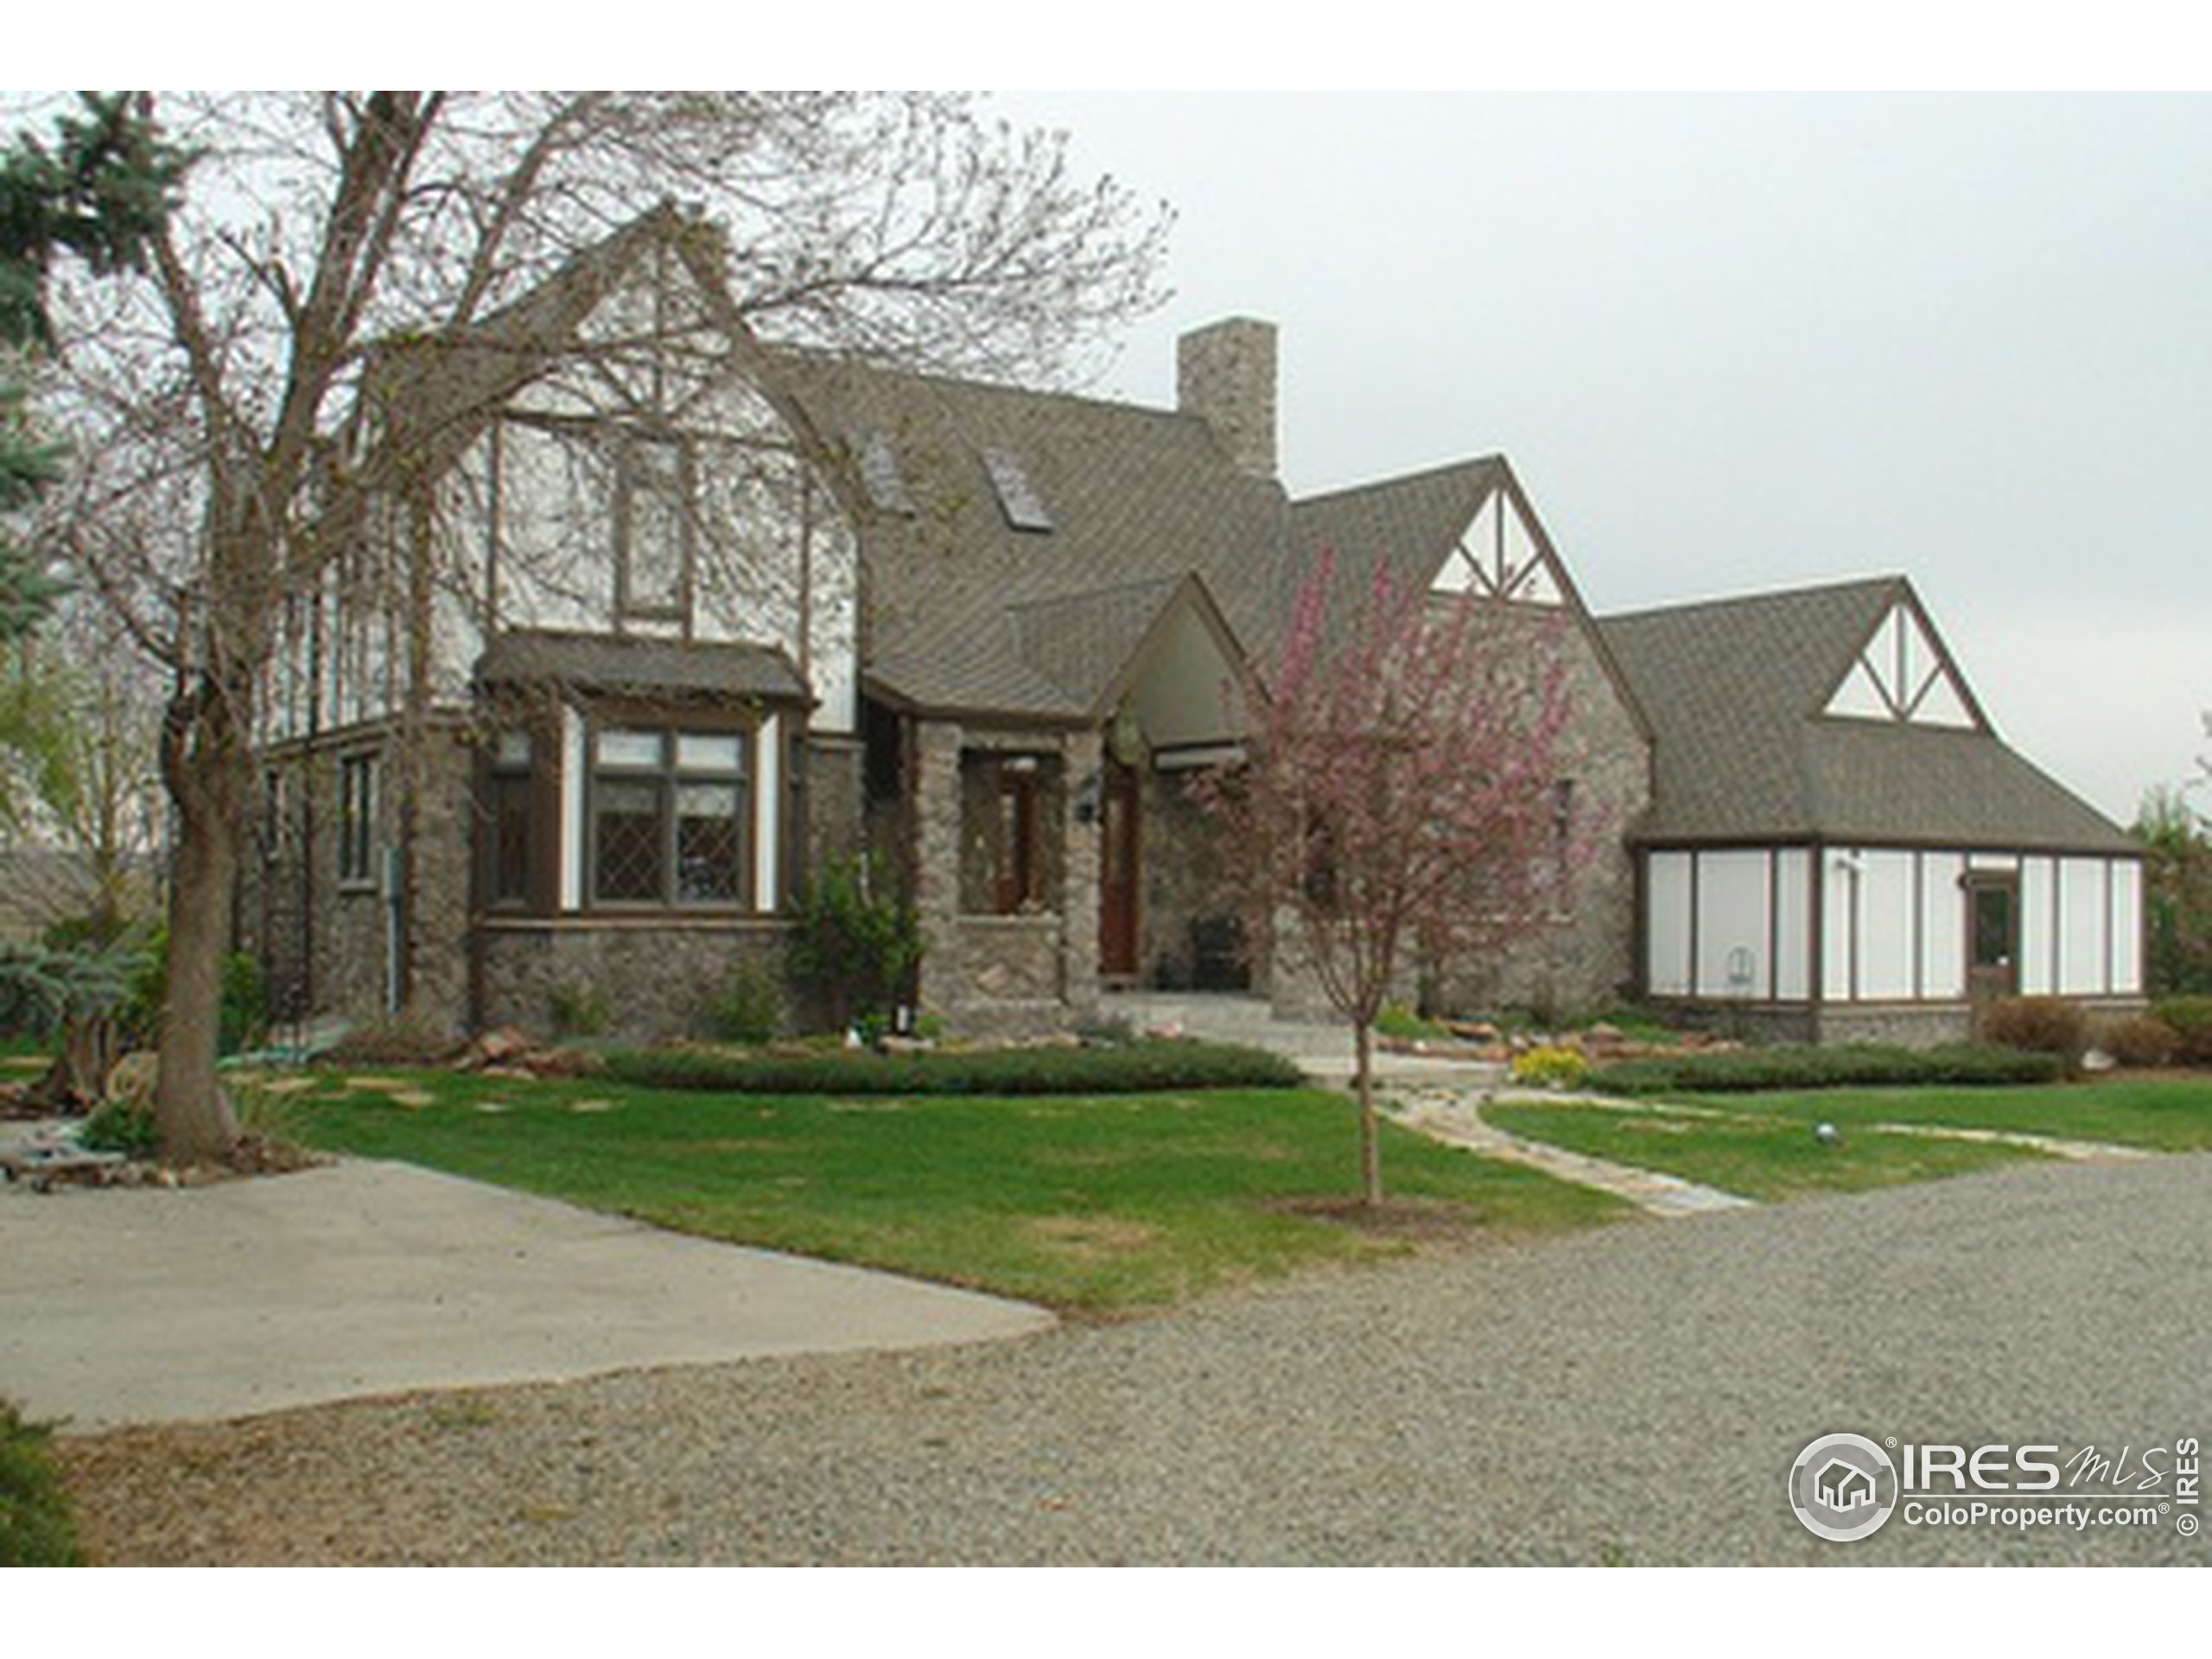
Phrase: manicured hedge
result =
(1850, 1066)
(2190, 1018)
(35, 1525)
(1135, 1068)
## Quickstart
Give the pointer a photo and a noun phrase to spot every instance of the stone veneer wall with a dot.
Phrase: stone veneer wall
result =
(656, 976)
(993, 973)
(1908, 1025)
(291, 868)
(1180, 854)
(1584, 958)
(832, 821)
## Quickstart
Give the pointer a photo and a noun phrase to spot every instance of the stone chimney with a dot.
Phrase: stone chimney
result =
(1225, 375)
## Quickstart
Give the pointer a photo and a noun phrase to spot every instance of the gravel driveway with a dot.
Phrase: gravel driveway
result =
(1634, 1394)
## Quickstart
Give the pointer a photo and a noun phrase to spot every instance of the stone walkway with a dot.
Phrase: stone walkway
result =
(2080, 1152)
(1454, 1115)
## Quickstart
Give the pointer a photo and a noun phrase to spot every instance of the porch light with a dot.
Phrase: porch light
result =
(1126, 739)
(1086, 798)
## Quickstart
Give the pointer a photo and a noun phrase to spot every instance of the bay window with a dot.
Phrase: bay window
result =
(668, 817)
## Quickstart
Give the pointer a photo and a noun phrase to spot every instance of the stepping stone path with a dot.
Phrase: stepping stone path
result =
(1454, 1115)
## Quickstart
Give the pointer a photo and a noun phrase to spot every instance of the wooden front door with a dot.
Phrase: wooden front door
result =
(1118, 850)
(1993, 940)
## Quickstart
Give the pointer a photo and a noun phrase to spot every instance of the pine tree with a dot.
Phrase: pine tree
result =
(100, 194)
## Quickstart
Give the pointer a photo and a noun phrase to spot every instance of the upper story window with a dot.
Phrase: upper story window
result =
(357, 786)
(668, 817)
(654, 530)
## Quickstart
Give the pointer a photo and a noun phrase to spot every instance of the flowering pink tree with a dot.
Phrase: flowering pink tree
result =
(1407, 798)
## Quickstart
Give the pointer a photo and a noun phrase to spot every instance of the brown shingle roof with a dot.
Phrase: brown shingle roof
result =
(1734, 689)
(614, 663)
(965, 610)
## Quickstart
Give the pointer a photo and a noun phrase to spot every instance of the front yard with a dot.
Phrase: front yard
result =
(1761, 1146)
(1095, 1203)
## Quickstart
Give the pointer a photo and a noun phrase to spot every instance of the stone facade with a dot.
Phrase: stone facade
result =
(1185, 912)
(833, 812)
(981, 971)
(654, 977)
(1584, 957)
(325, 934)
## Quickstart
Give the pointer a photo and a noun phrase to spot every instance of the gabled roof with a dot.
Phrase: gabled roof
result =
(968, 610)
(1734, 690)
(1405, 525)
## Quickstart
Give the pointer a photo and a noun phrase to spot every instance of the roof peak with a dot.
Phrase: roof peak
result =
(1892, 583)
(1472, 464)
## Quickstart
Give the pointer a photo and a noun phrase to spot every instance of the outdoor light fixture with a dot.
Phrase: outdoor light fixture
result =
(1126, 739)
(1086, 798)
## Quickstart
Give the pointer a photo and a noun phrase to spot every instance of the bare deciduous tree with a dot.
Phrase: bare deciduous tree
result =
(233, 393)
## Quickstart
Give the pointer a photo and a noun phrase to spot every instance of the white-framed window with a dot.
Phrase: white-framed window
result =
(668, 817)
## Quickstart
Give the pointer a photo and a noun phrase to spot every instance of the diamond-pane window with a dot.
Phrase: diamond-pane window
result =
(669, 818)
(631, 864)
(708, 843)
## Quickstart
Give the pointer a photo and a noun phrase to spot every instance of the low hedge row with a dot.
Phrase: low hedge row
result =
(2189, 1018)
(35, 1529)
(1849, 1066)
(1135, 1068)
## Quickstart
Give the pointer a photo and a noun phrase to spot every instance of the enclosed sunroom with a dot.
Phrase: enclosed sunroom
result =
(1839, 846)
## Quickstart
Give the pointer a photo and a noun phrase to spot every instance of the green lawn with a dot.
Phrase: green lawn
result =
(2170, 1112)
(1098, 1203)
(1757, 1154)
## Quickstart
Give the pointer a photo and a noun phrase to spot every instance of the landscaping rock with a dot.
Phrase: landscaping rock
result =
(498, 1047)
(562, 1063)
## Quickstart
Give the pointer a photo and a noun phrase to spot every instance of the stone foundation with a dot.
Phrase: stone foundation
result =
(655, 978)
(1907, 1025)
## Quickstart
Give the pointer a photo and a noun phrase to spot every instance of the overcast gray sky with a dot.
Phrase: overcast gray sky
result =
(1738, 343)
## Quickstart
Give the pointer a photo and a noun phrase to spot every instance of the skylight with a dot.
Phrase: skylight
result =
(879, 475)
(1018, 498)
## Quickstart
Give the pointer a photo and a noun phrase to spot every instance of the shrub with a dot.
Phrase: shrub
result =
(857, 943)
(1136, 1068)
(1550, 1067)
(2140, 1040)
(1400, 1024)
(749, 1006)
(577, 1010)
(2191, 1019)
(35, 1529)
(244, 1021)
(1863, 1065)
(2038, 1024)
(123, 1124)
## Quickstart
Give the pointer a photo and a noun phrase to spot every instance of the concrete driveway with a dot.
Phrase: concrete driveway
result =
(152, 1306)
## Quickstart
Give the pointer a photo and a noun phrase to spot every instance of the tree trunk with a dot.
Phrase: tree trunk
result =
(190, 1110)
(1370, 1132)
(77, 1081)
